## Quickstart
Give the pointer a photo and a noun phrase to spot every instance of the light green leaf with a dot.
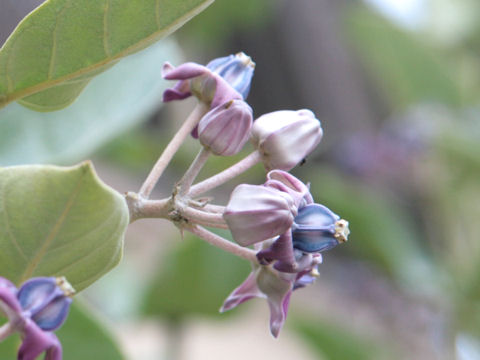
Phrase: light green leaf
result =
(61, 45)
(82, 337)
(112, 103)
(59, 222)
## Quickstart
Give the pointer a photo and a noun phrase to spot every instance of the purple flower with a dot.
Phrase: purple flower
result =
(286, 137)
(38, 308)
(222, 80)
(225, 129)
(282, 210)
(274, 286)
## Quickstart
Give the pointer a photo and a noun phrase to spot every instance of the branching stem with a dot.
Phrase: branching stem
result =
(225, 175)
(172, 147)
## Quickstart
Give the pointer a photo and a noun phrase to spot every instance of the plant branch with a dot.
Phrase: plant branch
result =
(172, 147)
(222, 243)
(225, 175)
(189, 177)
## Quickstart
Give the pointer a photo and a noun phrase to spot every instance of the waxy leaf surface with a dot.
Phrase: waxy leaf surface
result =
(59, 221)
(60, 46)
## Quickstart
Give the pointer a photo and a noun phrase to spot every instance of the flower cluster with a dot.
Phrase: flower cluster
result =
(39, 307)
(279, 218)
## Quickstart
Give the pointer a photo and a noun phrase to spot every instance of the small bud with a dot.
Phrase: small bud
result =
(316, 228)
(45, 302)
(225, 129)
(256, 213)
(286, 137)
(236, 69)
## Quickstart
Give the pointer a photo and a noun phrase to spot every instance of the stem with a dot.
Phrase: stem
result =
(189, 177)
(225, 175)
(5, 331)
(172, 147)
(222, 243)
(203, 216)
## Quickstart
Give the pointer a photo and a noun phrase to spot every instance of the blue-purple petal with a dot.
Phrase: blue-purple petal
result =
(52, 316)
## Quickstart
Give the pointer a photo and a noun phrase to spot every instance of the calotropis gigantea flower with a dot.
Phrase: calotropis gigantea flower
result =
(274, 286)
(225, 129)
(286, 137)
(38, 308)
(223, 79)
(256, 213)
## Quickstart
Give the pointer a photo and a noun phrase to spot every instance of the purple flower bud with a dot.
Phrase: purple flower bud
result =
(236, 69)
(225, 129)
(316, 228)
(256, 213)
(286, 137)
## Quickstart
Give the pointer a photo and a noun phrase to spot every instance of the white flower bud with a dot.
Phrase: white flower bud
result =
(284, 138)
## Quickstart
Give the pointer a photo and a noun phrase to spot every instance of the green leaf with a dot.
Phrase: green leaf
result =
(82, 337)
(194, 279)
(62, 44)
(59, 222)
(112, 103)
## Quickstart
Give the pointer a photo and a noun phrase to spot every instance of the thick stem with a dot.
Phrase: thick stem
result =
(222, 243)
(225, 175)
(172, 147)
(189, 177)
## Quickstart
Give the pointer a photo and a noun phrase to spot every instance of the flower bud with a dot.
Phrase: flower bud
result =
(46, 301)
(225, 129)
(316, 228)
(286, 137)
(236, 69)
(256, 213)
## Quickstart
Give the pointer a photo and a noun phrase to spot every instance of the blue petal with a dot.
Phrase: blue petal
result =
(36, 293)
(235, 71)
(314, 229)
(53, 315)
(315, 215)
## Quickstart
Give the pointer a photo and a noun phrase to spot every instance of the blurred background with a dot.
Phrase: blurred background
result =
(396, 85)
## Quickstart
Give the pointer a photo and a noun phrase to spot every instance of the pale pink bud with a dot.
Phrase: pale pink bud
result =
(225, 129)
(256, 213)
(286, 137)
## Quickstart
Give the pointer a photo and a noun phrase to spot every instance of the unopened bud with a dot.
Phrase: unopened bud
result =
(225, 129)
(256, 213)
(286, 137)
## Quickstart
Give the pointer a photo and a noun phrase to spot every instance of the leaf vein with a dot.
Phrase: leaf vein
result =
(53, 233)
(12, 238)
